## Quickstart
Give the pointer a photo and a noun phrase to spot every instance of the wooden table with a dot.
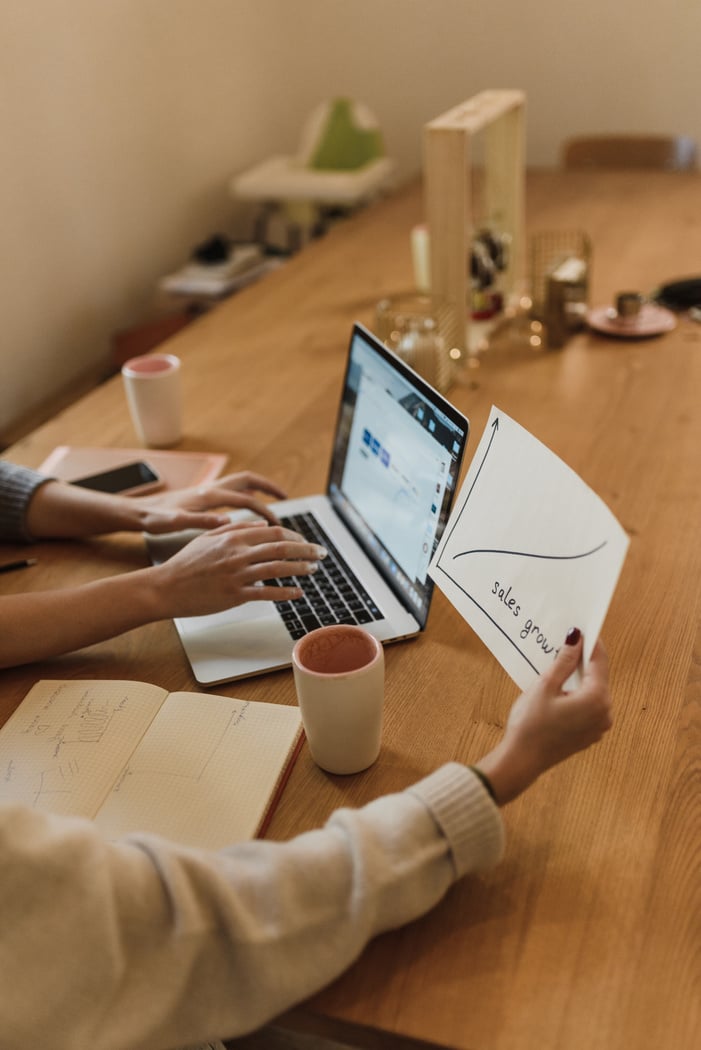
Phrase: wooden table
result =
(589, 933)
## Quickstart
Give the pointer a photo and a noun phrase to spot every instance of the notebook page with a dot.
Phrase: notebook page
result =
(66, 744)
(205, 771)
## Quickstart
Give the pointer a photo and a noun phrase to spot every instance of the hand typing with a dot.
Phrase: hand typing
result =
(226, 567)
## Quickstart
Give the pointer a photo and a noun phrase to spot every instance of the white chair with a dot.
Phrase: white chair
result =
(340, 165)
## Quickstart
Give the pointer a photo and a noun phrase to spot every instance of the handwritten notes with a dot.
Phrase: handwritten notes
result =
(528, 552)
(66, 743)
(198, 768)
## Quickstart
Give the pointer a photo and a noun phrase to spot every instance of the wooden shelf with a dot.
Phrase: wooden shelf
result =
(450, 148)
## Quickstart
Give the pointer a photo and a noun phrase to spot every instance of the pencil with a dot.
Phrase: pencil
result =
(23, 563)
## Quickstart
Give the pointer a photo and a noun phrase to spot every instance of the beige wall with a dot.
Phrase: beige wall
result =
(122, 121)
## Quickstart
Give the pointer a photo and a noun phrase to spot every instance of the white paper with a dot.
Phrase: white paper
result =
(528, 552)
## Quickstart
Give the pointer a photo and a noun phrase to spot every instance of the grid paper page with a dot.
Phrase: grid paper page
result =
(67, 742)
(205, 772)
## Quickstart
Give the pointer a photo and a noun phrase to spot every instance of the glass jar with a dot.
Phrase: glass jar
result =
(410, 326)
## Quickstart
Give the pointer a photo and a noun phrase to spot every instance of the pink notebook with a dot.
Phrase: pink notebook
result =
(177, 469)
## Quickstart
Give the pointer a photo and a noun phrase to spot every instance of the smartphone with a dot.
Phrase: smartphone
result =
(132, 479)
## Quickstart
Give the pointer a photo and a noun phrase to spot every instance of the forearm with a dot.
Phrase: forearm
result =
(509, 771)
(67, 511)
(40, 625)
(169, 946)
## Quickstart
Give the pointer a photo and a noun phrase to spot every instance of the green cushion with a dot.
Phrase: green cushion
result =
(343, 146)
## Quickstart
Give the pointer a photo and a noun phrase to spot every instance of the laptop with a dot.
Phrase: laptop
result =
(396, 457)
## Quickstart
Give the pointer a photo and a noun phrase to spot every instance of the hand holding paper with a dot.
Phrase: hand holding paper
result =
(528, 552)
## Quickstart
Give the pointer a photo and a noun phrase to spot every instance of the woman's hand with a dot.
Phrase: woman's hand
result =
(227, 566)
(192, 507)
(58, 509)
(547, 724)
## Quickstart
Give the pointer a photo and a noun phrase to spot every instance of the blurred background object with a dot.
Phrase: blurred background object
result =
(661, 152)
(474, 186)
(340, 164)
(559, 271)
(414, 327)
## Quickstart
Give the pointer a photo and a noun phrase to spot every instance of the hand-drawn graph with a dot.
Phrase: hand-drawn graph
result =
(528, 552)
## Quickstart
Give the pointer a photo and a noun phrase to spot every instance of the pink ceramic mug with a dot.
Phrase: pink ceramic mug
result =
(339, 674)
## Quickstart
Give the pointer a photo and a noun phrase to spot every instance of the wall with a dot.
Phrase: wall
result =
(123, 120)
(121, 123)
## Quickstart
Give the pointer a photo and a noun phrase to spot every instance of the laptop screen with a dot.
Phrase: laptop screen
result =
(395, 466)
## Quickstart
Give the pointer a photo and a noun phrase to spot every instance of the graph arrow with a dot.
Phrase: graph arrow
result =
(495, 426)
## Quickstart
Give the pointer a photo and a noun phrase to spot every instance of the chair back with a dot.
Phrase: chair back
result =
(662, 152)
(341, 135)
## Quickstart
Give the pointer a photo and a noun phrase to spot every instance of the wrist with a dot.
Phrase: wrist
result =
(485, 782)
(149, 594)
(508, 774)
(123, 514)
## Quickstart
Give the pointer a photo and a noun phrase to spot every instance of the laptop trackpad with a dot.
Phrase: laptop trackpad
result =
(239, 641)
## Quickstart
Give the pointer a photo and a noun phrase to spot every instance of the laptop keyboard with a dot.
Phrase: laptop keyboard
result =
(333, 594)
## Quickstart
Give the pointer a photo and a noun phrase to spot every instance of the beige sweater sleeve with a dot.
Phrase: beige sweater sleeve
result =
(144, 944)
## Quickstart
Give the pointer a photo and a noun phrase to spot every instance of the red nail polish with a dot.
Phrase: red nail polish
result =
(573, 636)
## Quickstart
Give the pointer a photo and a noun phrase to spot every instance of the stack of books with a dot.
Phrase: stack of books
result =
(245, 264)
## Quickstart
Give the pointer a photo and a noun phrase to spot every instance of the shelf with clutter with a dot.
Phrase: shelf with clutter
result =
(216, 269)
(474, 186)
(467, 256)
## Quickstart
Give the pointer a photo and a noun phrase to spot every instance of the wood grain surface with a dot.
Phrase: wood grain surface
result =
(588, 935)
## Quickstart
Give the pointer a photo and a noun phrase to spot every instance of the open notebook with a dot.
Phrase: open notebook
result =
(202, 770)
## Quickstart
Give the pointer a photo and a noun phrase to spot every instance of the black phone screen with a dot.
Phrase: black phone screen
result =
(130, 476)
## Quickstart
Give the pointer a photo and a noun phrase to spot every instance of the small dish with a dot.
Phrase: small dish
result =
(650, 320)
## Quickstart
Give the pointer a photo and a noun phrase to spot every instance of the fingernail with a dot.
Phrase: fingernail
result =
(321, 552)
(573, 636)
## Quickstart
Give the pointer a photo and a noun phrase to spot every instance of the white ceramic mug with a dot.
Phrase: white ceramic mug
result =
(339, 674)
(152, 388)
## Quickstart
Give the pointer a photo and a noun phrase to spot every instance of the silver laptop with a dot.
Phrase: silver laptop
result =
(396, 458)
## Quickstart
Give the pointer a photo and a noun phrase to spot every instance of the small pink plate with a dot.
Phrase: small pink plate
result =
(651, 320)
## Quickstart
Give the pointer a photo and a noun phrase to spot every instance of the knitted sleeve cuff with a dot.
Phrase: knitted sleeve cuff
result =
(466, 814)
(17, 486)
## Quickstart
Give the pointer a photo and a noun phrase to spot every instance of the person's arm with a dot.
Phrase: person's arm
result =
(215, 571)
(58, 509)
(161, 945)
(17, 487)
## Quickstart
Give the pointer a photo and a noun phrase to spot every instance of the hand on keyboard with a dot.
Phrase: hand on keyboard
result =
(332, 595)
